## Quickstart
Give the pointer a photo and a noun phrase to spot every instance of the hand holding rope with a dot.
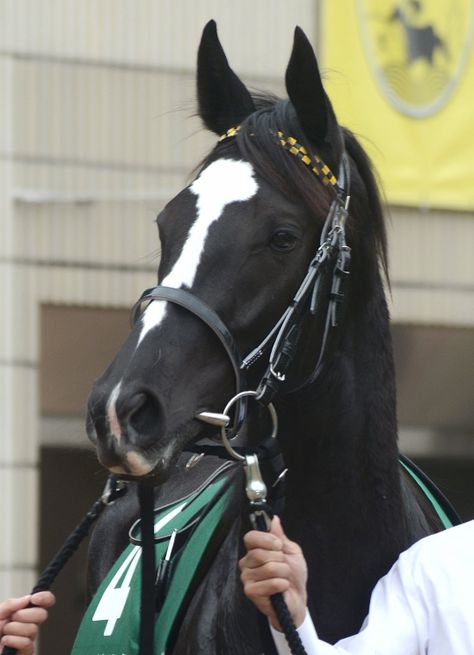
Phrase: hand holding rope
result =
(113, 489)
(260, 517)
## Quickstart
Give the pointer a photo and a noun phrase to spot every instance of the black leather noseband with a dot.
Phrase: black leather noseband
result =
(208, 316)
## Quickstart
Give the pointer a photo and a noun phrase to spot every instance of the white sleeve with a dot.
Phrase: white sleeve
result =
(396, 623)
(306, 632)
(309, 638)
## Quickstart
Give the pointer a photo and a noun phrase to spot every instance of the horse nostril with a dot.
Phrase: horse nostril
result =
(141, 416)
(134, 403)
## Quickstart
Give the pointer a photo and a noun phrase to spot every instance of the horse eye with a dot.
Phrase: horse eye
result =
(283, 241)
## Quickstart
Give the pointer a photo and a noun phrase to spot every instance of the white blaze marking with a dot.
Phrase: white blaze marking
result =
(222, 182)
(114, 423)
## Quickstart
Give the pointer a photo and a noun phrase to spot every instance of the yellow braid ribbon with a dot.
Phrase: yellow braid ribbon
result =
(314, 163)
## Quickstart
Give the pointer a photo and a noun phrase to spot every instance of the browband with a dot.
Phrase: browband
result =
(314, 163)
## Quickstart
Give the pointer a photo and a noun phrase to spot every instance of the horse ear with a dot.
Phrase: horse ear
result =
(224, 101)
(305, 89)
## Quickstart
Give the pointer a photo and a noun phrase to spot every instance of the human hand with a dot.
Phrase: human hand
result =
(274, 564)
(19, 623)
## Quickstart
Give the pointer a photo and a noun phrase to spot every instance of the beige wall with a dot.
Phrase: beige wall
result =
(156, 33)
(432, 267)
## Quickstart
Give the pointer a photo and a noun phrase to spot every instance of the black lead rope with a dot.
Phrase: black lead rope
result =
(277, 600)
(147, 608)
(114, 489)
(260, 518)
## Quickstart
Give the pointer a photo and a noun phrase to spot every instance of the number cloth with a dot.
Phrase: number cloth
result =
(111, 623)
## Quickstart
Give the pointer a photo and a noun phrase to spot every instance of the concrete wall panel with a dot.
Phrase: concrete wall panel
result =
(18, 414)
(94, 114)
(156, 31)
(18, 507)
(101, 233)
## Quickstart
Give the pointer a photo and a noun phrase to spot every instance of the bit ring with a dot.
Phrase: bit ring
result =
(232, 401)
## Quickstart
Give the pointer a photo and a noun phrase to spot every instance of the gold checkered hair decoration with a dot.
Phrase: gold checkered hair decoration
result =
(229, 134)
(314, 163)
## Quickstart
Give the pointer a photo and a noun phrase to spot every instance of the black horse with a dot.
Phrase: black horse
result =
(241, 238)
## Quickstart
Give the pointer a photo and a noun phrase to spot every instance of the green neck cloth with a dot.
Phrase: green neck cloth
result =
(111, 623)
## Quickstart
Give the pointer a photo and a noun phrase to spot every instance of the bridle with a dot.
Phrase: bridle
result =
(331, 260)
(333, 257)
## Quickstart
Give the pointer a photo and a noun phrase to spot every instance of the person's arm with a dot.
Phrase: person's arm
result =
(19, 623)
(395, 625)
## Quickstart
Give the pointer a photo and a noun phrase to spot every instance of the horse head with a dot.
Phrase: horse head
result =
(240, 238)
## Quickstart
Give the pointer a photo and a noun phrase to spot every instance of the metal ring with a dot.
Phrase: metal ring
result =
(232, 401)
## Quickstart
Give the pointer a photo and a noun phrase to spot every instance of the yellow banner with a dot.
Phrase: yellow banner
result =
(400, 75)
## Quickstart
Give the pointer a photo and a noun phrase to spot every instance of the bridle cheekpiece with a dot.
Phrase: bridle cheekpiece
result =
(333, 249)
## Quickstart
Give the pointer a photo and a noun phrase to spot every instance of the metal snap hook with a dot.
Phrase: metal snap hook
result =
(232, 401)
